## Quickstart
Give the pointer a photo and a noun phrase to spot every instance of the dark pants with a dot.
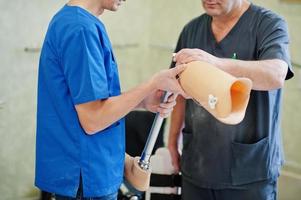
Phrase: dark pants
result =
(79, 195)
(264, 190)
(108, 197)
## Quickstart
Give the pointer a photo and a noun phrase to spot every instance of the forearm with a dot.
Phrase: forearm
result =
(265, 74)
(103, 113)
(97, 115)
(177, 121)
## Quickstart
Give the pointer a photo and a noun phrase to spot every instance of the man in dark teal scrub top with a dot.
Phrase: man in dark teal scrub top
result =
(80, 145)
(233, 162)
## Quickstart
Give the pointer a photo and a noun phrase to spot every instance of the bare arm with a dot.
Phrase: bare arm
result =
(177, 121)
(98, 115)
(176, 124)
(265, 74)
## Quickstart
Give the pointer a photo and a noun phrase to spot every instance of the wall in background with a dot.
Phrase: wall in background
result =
(23, 25)
(143, 34)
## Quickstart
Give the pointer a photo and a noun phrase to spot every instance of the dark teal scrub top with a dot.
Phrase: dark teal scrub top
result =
(216, 155)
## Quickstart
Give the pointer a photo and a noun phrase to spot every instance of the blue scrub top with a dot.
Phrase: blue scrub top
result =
(77, 65)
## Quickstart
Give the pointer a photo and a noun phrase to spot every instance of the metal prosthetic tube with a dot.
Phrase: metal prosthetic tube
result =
(152, 137)
(137, 170)
(153, 134)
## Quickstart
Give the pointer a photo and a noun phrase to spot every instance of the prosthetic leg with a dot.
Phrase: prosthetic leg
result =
(223, 95)
(137, 171)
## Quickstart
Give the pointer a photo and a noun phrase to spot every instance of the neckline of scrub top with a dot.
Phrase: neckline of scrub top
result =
(236, 26)
(83, 10)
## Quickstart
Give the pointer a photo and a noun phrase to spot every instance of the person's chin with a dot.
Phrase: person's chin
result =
(115, 8)
(212, 12)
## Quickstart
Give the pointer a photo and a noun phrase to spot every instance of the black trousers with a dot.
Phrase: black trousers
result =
(263, 190)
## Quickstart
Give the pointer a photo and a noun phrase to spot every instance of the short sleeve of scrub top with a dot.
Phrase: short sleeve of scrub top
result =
(83, 66)
(273, 41)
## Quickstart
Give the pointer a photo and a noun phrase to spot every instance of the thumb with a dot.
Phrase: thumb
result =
(159, 93)
(181, 91)
(178, 69)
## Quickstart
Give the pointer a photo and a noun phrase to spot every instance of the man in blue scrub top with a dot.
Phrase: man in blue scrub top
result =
(233, 162)
(80, 127)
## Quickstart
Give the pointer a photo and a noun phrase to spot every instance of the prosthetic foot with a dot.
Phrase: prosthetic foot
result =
(139, 178)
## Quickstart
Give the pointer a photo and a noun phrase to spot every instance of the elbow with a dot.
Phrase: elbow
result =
(88, 115)
(91, 128)
(280, 74)
(275, 82)
(89, 131)
(280, 77)
(279, 83)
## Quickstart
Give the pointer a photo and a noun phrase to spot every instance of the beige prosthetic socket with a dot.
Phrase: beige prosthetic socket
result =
(136, 176)
(221, 94)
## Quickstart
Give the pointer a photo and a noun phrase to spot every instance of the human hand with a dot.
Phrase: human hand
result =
(166, 80)
(188, 55)
(153, 103)
(175, 156)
